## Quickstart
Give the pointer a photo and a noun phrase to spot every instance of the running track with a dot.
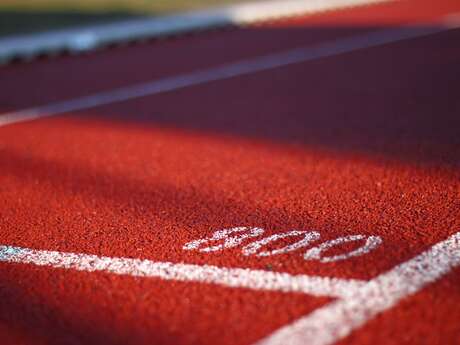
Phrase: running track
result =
(362, 141)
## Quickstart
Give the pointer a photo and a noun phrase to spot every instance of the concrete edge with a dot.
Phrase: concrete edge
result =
(87, 38)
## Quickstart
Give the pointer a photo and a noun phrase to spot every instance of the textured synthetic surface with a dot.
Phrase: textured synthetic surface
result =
(359, 143)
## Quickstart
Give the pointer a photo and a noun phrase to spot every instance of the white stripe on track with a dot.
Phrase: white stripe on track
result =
(230, 277)
(338, 319)
(358, 301)
(240, 68)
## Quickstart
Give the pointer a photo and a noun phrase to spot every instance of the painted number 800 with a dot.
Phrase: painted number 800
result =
(234, 237)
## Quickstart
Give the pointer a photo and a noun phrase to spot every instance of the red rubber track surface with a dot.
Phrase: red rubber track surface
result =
(360, 143)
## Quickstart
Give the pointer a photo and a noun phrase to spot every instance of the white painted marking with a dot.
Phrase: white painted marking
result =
(316, 253)
(236, 69)
(90, 37)
(358, 301)
(229, 242)
(308, 237)
(338, 319)
(230, 277)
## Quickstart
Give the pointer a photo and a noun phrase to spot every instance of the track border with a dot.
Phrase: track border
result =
(87, 38)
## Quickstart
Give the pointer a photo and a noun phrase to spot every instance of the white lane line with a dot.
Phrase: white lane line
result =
(357, 302)
(230, 277)
(91, 37)
(240, 68)
(338, 319)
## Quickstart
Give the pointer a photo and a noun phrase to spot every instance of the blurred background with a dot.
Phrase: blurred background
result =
(25, 16)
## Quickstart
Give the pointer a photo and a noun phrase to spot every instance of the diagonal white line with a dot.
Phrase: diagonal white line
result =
(338, 319)
(358, 302)
(231, 277)
(240, 68)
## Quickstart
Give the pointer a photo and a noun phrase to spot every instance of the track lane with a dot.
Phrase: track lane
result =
(346, 143)
(139, 179)
(105, 70)
(223, 72)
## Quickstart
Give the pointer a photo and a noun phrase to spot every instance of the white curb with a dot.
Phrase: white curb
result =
(91, 37)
